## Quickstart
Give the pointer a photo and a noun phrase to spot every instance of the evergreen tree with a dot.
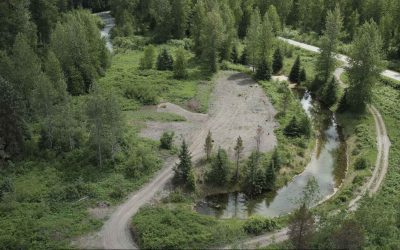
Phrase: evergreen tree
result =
(199, 15)
(234, 55)
(208, 145)
(147, 60)
(220, 169)
(276, 159)
(275, 19)
(303, 75)
(293, 128)
(238, 151)
(212, 38)
(180, 15)
(326, 60)
(263, 71)
(330, 93)
(183, 170)
(301, 228)
(294, 75)
(254, 182)
(26, 68)
(277, 63)
(165, 60)
(180, 71)
(252, 37)
(12, 122)
(270, 177)
(265, 39)
(365, 66)
(244, 58)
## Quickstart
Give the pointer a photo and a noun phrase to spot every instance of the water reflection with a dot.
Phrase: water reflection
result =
(327, 165)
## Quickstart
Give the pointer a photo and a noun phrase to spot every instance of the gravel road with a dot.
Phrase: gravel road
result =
(238, 107)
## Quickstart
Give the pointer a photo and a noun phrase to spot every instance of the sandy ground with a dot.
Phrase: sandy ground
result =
(238, 107)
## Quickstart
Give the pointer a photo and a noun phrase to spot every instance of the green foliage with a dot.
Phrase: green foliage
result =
(277, 62)
(183, 170)
(82, 53)
(270, 177)
(329, 43)
(12, 123)
(147, 61)
(219, 173)
(298, 128)
(257, 225)
(330, 93)
(180, 65)
(144, 94)
(263, 71)
(165, 60)
(302, 76)
(361, 163)
(244, 58)
(161, 228)
(208, 145)
(294, 75)
(365, 66)
(254, 182)
(235, 55)
(167, 140)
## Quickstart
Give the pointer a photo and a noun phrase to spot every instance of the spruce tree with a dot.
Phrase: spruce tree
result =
(208, 145)
(183, 170)
(263, 71)
(303, 75)
(147, 61)
(180, 71)
(238, 151)
(294, 75)
(292, 129)
(220, 169)
(270, 177)
(277, 63)
(235, 55)
(329, 93)
(165, 60)
(276, 159)
(244, 58)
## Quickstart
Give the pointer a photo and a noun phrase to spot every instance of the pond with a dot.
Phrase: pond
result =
(328, 166)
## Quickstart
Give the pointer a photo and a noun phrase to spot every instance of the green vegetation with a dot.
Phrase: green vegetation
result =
(257, 225)
(160, 228)
(167, 140)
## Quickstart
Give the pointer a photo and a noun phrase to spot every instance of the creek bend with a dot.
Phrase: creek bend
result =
(328, 166)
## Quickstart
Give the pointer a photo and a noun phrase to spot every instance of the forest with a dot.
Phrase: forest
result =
(197, 107)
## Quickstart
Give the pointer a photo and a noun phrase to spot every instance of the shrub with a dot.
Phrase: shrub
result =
(147, 61)
(165, 60)
(361, 163)
(257, 225)
(144, 94)
(166, 140)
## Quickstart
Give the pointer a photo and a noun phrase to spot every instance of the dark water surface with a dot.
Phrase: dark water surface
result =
(328, 165)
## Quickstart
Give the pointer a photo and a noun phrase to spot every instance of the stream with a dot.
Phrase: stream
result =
(327, 165)
(109, 23)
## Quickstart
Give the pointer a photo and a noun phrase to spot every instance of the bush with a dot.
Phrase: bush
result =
(166, 140)
(165, 60)
(131, 43)
(361, 163)
(144, 94)
(257, 225)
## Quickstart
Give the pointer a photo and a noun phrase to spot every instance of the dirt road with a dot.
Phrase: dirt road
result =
(238, 107)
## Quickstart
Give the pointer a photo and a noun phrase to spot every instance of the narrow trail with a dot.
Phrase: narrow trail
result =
(381, 165)
(231, 113)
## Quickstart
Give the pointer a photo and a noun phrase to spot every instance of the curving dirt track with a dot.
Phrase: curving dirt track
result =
(238, 107)
(381, 164)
